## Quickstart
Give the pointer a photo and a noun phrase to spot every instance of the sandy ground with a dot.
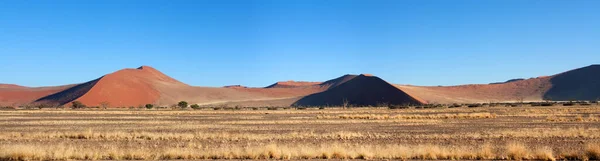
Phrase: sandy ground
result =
(560, 131)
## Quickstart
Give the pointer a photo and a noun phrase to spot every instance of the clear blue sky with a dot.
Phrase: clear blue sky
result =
(255, 43)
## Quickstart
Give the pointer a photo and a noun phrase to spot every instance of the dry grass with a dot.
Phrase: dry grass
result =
(514, 151)
(521, 133)
(577, 118)
(518, 151)
(592, 151)
(420, 116)
(187, 136)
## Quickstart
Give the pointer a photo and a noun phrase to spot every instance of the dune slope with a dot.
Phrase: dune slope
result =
(361, 90)
(578, 84)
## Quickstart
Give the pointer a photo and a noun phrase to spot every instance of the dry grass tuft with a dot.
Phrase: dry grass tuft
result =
(514, 151)
(577, 118)
(592, 151)
(544, 153)
(416, 116)
(517, 151)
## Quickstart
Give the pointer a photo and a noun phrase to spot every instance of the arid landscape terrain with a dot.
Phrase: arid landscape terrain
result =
(145, 85)
(143, 114)
(462, 133)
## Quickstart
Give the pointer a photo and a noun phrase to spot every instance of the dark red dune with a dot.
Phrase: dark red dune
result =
(578, 84)
(361, 90)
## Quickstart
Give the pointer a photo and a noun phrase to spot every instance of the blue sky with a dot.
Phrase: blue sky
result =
(255, 43)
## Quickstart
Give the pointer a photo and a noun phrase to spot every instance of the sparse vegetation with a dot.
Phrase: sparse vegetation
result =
(77, 104)
(149, 106)
(520, 133)
(429, 116)
(182, 104)
(195, 106)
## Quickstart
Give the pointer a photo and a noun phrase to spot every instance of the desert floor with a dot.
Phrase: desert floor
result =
(546, 133)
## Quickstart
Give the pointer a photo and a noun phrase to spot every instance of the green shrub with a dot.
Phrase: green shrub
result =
(195, 106)
(149, 106)
(182, 104)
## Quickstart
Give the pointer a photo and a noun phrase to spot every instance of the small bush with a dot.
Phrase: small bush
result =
(474, 105)
(393, 107)
(77, 104)
(195, 106)
(182, 104)
(149, 106)
(568, 104)
(455, 105)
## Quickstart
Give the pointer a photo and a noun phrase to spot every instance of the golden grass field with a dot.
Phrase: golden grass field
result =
(486, 133)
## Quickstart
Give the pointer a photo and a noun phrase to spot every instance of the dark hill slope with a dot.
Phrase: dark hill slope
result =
(361, 90)
(578, 84)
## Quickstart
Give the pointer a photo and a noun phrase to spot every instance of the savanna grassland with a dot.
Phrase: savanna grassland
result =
(515, 133)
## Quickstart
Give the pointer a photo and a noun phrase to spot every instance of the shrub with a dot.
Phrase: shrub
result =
(548, 104)
(182, 104)
(393, 107)
(77, 104)
(456, 105)
(195, 106)
(568, 104)
(474, 105)
(149, 106)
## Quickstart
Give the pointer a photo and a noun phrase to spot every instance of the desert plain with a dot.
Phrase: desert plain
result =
(461, 133)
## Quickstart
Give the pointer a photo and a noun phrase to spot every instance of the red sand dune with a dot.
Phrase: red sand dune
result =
(292, 84)
(526, 90)
(127, 87)
(235, 86)
(361, 90)
(13, 95)
(11, 86)
(337, 81)
(578, 84)
(144, 85)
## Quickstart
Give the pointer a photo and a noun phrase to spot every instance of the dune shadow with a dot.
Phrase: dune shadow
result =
(578, 84)
(68, 95)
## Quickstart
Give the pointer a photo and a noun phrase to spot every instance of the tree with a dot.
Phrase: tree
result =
(77, 104)
(104, 104)
(149, 106)
(195, 106)
(182, 104)
(345, 103)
